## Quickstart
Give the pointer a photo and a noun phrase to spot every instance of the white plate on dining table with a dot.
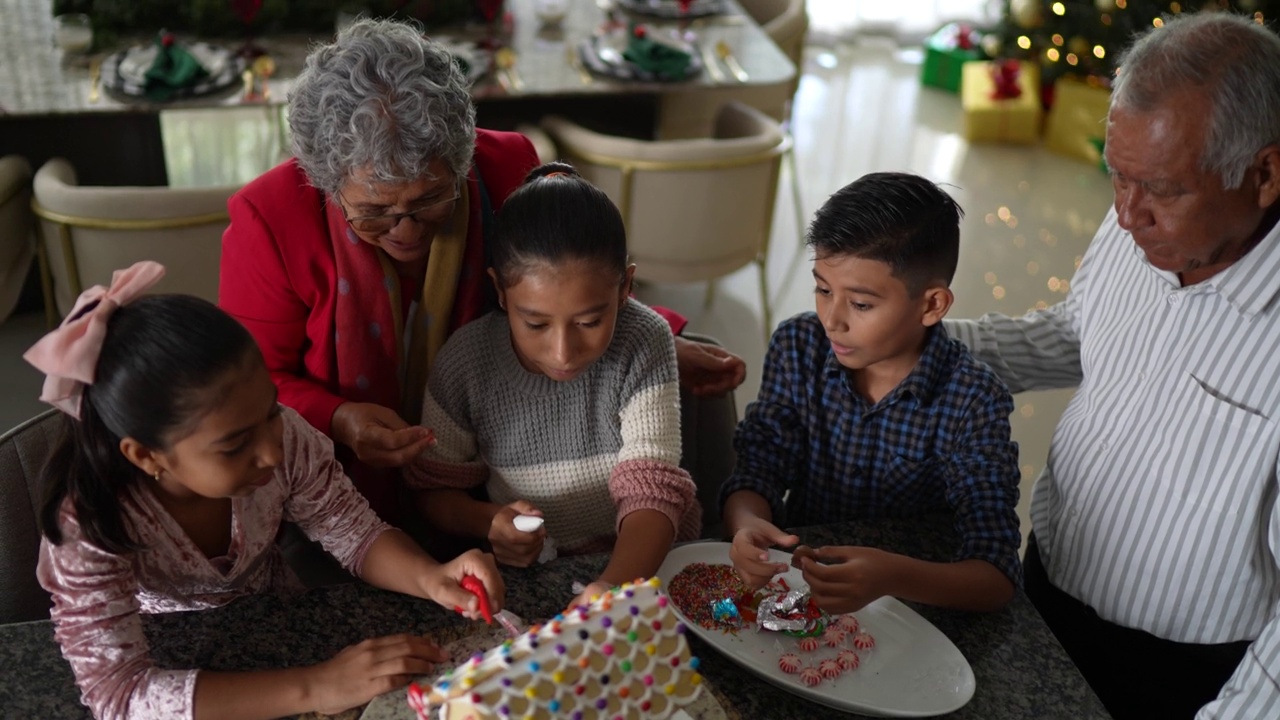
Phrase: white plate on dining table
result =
(603, 54)
(913, 671)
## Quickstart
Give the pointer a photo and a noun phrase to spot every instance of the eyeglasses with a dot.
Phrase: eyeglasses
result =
(379, 224)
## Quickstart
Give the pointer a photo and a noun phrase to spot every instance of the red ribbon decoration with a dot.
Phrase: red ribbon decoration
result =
(1004, 75)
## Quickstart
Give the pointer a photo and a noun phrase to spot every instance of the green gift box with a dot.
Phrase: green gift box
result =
(945, 53)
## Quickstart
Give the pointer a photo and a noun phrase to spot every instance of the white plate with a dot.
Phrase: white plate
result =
(914, 670)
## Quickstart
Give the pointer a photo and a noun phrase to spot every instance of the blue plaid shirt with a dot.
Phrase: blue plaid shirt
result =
(939, 440)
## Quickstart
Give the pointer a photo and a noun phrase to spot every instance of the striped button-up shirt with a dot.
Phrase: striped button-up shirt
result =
(938, 441)
(1158, 505)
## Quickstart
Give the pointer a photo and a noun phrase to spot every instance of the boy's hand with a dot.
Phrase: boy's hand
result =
(750, 551)
(845, 579)
(513, 546)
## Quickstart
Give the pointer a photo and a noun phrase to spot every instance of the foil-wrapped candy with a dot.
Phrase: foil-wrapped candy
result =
(791, 612)
(725, 612)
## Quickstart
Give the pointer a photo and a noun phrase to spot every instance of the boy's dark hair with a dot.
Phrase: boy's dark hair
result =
(161, 360)
(900, 219)
(557, 215)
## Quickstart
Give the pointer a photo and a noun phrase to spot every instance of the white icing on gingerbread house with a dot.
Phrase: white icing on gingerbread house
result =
(622, 657)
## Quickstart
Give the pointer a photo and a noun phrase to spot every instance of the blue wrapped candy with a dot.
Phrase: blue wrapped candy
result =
(725, 612)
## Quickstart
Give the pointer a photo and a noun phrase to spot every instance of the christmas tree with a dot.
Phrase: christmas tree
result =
(1086, 37)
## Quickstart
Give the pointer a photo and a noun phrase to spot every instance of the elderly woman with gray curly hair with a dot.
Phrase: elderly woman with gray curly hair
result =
(352, 263)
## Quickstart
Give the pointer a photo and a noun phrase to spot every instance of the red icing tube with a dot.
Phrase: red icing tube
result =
(472, 584)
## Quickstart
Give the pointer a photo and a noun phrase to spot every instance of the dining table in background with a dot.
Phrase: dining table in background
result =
(54, 105)
(1020, 669)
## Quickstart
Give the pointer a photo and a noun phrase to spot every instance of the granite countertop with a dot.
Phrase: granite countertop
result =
(1021, 670)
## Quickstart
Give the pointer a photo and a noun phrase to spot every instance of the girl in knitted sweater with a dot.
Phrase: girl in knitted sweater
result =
(564, 404)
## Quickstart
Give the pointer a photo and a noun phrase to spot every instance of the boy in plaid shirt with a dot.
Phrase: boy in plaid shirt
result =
(868, 409)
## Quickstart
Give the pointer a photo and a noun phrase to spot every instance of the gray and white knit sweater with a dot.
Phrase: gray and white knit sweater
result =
(587, 452)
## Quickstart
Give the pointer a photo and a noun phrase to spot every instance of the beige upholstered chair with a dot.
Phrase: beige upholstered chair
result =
(694, 209)
(17, 246)
(87, 232)
(24, 450)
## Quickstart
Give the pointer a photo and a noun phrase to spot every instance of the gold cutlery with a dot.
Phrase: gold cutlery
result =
(575, 62)
(95, 78)
(731, 62)
(713, 65)
(505, 59)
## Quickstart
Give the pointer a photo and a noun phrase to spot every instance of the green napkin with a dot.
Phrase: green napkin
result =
(655, 57)
(174, 69)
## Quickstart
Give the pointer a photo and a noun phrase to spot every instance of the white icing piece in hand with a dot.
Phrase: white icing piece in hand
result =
(527, 523)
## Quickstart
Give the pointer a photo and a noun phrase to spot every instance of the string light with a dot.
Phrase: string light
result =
(1122, 4)
(1059, 9)
(1158, 22)
(1072, 59)
(1024, 42)
(997, 292)
(1175, 8)
(1099, 52)
(1057, 39)
(1052, 54)
(1106, 19)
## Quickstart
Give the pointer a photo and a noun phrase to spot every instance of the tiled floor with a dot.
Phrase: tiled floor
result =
(860, 108)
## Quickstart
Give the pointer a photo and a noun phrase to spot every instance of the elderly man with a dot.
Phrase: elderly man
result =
(1156, 523)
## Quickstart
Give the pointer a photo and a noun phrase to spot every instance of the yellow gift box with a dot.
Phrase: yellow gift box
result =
(1078, 118)
(987, 119)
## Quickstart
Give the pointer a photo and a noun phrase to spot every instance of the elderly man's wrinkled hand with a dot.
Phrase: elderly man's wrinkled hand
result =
(378, 435)
(707, 369)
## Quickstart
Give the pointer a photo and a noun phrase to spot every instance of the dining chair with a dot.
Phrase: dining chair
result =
(85, 233)
(696, 209)
(17, 248)
(707, 425)
(686, 112)
(24, 451)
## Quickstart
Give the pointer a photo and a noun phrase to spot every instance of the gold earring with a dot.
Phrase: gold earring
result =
(156, 476)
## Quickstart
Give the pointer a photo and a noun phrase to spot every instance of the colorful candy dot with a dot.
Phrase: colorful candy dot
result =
(648, 680)
(534, 666)
(554, 706)
(633, 636)
(694, 663)
(579, 690)
(650, 649)
(670, 689)
(646, 705)
(607, 649)
(560, 649)
(695, 678)
(504, 711)
(444, 684)
(557, 677)
(475, 698)
(675, 661)
(626, 666)
(530, 693)
(624, 691)
(680, 628)
(602, 704)
(606, 621)
(657, 624)
(604, 679)
(662, 601)
(583, 634)
(583, 663)
(506, 682)
(577, 715)
(634, 610)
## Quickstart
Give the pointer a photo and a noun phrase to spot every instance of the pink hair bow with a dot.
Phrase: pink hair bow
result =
(68, 356)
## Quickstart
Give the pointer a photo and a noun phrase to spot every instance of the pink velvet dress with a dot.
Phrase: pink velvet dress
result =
(97, 596)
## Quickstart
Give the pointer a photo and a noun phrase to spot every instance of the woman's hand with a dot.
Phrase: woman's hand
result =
(708, 369)
(750, 551)
(444, 584)
(845, 579)
(378, 435)
(367, 669)
(511, 546)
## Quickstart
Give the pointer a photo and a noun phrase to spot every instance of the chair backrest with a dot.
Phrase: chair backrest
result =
(88, 232)
(16, 244)
(786, 22)
(694, 209)
(24, 451)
